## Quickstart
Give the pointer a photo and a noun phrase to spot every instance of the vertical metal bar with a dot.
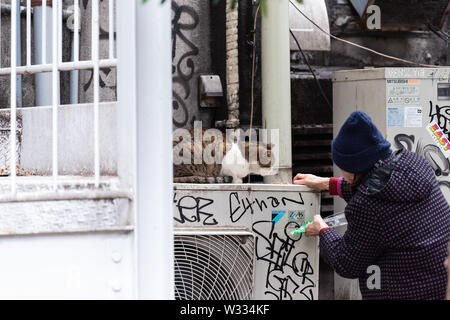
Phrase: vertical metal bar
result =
(76, 34)
(95, 60)
(44, 32)
(19, 56)
(28, 32)
(0, 33)
(55, 91)
(154, 189)
(111, 29)
(126, 109)
(60, 30)
(12, 137)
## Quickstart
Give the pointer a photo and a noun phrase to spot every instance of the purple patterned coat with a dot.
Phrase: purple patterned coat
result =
(399, 220)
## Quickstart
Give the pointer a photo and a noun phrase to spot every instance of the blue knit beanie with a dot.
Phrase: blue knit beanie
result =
(359, 144)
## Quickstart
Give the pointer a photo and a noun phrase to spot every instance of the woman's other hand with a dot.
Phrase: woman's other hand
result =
(314, 227)
(312, 181)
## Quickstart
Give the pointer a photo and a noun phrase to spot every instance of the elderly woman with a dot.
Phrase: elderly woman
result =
(398, 218)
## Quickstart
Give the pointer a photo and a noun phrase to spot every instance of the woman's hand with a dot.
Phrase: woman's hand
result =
(312, 181)
(314, 227)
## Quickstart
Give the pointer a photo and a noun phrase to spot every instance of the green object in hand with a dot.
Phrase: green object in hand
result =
(302, 228)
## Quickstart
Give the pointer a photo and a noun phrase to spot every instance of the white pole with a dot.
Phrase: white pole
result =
(95, 59)
(55, 91)
(44, 32)
(276, 82)
(154, 189)
(12, 137)
(28, 33)
(76, 34)
(111, 28)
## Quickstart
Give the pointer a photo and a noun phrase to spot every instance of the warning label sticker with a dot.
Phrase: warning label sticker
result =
(395, 117)
(413, 117)
(403, 92)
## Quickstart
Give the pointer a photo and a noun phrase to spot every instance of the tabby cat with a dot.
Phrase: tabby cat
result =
(226, 159)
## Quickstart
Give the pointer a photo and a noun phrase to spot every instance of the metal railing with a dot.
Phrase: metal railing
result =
(55, 67)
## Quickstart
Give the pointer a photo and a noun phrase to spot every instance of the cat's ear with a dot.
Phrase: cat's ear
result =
(269, 146)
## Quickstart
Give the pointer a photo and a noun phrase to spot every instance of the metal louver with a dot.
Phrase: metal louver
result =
(213, 265)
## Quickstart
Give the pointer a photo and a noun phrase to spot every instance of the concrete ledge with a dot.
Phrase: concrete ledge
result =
(75, 139)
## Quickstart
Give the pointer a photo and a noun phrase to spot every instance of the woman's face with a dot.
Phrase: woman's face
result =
(349, 177)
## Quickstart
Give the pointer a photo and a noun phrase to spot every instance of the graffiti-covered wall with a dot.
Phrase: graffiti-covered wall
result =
(286, 265)
(191, 57)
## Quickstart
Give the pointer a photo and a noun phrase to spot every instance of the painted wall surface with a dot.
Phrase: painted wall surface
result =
(68, 266)
(191, 57)
(287, 266)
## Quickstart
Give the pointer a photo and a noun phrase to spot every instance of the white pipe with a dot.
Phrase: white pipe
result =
(111, 29)
(12, 136)
(95, 58)
(19, 56)
(44, 31)
(276, 83)
(154, 156)
(55, 92)
(28, 33)
(60, 31)
(76, 35)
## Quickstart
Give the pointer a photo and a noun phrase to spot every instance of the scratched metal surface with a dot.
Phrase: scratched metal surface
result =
(286, 266)
(61, 216)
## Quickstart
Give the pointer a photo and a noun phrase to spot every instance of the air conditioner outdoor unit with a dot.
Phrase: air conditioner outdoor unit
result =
(234, 242)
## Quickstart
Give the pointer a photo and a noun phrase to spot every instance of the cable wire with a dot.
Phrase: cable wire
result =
(311, 70)
(362, 47)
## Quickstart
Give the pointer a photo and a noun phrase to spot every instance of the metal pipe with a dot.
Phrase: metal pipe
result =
(18, 56)
(28, 32)
(95, 58)
(154, 192)
(74, 77)
(111, 28)
(13, 124)
(42, 55)
(55, 92)
(276, 83)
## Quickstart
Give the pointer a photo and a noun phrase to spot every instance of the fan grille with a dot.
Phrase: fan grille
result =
(213, 267)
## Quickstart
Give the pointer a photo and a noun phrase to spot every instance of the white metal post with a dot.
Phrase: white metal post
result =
(154, 150)
(13, 96)
(55, 90)
(276, 82)
(145, 95)
(96, 77)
